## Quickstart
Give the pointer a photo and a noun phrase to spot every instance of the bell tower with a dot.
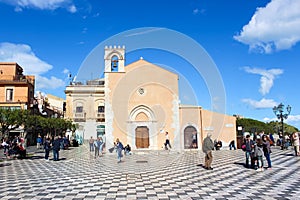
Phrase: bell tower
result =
(114, 58)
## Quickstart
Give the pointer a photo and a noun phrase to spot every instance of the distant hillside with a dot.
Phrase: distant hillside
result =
(252, 125)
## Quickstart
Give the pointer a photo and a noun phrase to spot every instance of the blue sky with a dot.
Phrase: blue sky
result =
(253, 43)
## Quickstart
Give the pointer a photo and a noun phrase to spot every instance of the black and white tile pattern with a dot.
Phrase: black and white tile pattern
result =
(148, 175)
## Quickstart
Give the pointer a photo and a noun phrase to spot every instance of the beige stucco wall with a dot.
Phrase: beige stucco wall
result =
(55, 102)
(222, 127)
(20, 93)
(159, 100)
(89, 96)
(7, 70)
(190, 116)
(145, 95)
(11, 76)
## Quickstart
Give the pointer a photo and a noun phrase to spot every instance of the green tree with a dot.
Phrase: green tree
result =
(10, 120)
(251, 125)
(55, 126)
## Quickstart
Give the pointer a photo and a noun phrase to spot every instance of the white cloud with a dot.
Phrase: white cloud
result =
(31, 64)
(48, 83)
(23, 55)
(144, 32)
(72, 9)
(267, 119)
(267, 77)
(263, 103)
(66, 71)
(42, 4)
(293, 120)
(18, 9)
(274, 27)
(197, 11)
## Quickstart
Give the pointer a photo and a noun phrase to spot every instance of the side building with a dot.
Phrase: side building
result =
(85, 107)
(138, 103)
(16, 89)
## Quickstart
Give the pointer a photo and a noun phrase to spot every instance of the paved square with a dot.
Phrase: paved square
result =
(148, 175)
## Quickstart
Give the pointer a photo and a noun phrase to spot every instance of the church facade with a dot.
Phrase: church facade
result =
(138, 104)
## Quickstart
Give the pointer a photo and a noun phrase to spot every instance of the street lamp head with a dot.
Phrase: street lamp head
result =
(289, 108)
(275, 110)
(280, 107)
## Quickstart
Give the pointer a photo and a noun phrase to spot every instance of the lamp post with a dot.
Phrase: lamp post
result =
(281, 114)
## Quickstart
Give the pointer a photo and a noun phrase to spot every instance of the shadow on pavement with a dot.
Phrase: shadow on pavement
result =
(40, 151)
(35, 157)
(239, 163)
(290, 154)
(60, 159)
(4, 164)
(201, 165)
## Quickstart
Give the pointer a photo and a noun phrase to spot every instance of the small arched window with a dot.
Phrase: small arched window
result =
(114, 63)
(79, 108)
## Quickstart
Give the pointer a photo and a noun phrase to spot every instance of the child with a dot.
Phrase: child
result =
(258, 155)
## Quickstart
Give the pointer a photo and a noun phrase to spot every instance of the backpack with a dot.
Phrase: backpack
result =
(243, 147)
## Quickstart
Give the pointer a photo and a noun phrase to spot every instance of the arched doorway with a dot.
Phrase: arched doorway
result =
(142, 137)
(189, 133)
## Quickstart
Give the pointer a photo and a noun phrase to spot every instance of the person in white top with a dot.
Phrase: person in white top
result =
(167, 143)
(296, 143)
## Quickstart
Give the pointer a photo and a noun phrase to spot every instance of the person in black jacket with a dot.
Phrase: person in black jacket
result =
(232, 145)
(249, 150)
(47, 147)
(56, 148)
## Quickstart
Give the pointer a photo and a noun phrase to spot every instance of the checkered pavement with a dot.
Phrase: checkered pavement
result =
(148, 175)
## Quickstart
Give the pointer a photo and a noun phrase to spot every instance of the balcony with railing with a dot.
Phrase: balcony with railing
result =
(79, 117)
(100, 116)
(16, 79)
